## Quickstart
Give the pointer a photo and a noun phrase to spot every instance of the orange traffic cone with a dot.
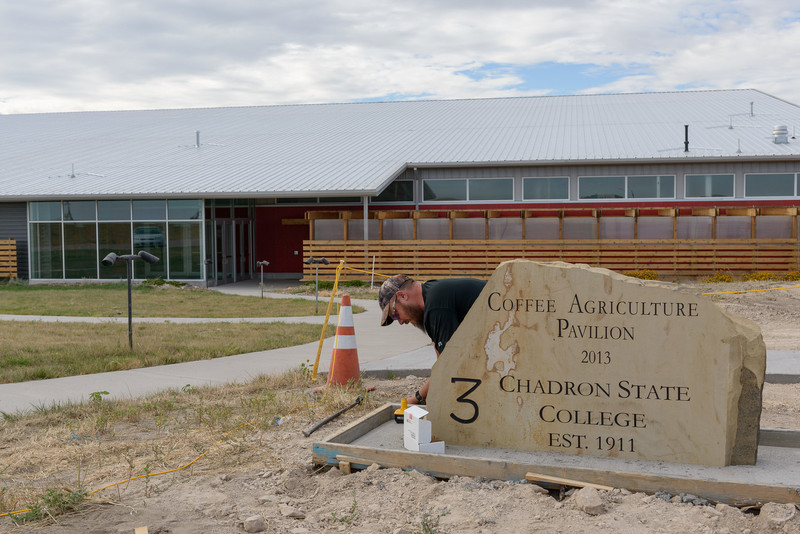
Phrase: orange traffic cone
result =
(344, 361)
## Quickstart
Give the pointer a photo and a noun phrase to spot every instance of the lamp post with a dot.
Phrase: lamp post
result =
(262, 264)
(110, 260)
(316, 261)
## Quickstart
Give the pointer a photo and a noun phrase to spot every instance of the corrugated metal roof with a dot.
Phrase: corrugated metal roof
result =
(356, 149)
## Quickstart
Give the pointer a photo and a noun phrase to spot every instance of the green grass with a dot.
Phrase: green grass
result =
(111, 300)
(32, 350)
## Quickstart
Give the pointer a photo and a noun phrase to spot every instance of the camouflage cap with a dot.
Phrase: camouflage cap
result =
(388, 290)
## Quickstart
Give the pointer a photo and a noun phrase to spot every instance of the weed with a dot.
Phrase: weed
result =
(97, 396)
(791, 276)
(761, 276)
(7, 502)
(430, 524)
(157, 282)
(718, 277)
(351, 516)
(54, 502)
(644, 274)
(306, 369)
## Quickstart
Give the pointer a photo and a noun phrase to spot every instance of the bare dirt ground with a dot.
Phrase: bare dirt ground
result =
(267, 474)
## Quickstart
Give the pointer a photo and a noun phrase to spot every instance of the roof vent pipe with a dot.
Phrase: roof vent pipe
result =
(780, 134)
(686, 139)
(197, 138)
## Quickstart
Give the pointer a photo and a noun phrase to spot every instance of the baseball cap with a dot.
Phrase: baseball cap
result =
(388, 290)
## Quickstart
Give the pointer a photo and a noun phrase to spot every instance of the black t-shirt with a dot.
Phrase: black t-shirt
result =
(447, 302)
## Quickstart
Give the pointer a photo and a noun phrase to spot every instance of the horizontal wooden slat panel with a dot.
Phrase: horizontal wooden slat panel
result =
(8, 258)
(479, 258)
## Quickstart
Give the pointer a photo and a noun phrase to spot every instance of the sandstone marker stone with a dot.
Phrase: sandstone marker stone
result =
(572, 359)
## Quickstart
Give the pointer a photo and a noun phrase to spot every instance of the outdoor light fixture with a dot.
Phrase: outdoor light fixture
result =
(316, 261)
(262, 264)
(208, 262)
(110, 259)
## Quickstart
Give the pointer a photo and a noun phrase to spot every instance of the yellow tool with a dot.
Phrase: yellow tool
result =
(398, 414)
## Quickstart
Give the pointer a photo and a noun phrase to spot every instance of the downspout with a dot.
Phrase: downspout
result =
(366, 220)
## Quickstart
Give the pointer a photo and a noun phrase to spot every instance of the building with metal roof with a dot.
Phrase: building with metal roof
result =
(225, 187)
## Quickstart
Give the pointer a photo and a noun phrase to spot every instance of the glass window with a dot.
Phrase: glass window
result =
(491, 189)
(149, 210)
(152, 238)
(184, 250)
(440, 190)
(80, 250)
(79, 210)
(769, 185)
(241, 208)
(114, 210)
(116, 238)
(46, 254)
(45, 211)
(590, 187)
(184, 209)
(651, 187)
(339, 200)
(297, 200)
(398, 191)
(545, 188)
(709, 185)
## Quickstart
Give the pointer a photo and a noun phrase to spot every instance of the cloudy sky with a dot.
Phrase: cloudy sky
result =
(71, 55)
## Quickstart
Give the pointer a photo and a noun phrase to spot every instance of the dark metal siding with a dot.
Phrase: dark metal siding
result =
(14, 225)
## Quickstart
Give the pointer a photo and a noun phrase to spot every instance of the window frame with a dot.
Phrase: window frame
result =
(754, 174)
(467, 198)
(626, 188)
(548, 199)
(733, 186)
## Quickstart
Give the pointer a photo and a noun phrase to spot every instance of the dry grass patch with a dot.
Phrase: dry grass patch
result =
(111, 300)
(32, 350)
(84, 447)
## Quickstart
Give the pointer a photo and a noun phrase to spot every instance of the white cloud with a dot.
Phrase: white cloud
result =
(119, 54)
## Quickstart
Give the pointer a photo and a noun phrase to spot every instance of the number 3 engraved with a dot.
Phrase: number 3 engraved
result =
(463, 398)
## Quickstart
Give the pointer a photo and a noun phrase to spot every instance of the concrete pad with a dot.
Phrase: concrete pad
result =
(377, 438)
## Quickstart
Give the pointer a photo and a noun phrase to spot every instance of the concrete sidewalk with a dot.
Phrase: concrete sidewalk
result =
(399, 349)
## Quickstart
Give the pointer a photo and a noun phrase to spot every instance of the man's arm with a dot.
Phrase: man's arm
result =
(423, 391)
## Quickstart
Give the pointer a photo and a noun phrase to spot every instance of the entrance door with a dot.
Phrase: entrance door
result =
(242, 239)
(232, 251)
(223, 252)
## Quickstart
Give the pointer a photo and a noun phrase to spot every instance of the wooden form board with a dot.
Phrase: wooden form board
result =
(338, 450)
